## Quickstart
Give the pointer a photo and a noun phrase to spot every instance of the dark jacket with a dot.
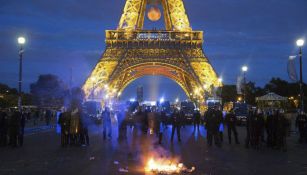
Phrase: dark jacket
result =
(231, 119)
(196, 117)
(176, 119)
(301, 121)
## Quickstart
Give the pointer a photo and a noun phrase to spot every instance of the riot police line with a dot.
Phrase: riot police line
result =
(74, 124)
(269, 128)
(263, 128)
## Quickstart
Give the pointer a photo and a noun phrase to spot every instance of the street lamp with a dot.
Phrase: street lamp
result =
(21, 42)
(244, 70)
(300, 44)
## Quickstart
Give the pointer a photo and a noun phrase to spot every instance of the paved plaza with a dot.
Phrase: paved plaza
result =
(42, 155)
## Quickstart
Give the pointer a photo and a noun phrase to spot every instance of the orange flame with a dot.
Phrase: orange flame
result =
(166, 166)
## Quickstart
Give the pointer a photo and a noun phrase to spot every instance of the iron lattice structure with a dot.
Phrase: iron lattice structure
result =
(132, 52)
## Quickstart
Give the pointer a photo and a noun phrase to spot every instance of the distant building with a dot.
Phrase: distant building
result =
(139, 94)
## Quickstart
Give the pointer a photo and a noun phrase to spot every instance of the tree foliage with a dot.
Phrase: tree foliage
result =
(49, 91)
(9, 97)
(276, 85)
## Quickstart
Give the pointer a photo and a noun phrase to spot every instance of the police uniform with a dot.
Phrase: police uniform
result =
(212, 125)
(301, 123)
(231, 122)
(176, 122)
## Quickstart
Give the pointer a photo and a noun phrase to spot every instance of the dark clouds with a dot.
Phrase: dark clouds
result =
(70, 34)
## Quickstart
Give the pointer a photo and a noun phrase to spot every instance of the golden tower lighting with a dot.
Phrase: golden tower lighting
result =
(175, 52)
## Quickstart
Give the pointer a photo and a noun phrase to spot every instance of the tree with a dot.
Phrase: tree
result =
(229, 93)
(9, 97)
(282, 87)
(252, 91)
(49, 91)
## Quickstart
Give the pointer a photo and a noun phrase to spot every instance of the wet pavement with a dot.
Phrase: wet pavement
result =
(42, 155)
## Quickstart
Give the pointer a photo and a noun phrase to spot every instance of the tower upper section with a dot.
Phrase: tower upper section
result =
(174, 12)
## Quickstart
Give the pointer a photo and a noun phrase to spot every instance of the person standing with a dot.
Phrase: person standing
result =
(282, 125)
(3, 128)
(212, 125)
(107, 123)
(48, 116)
(231, 122)
(257, 125)
(36, 117)
(122, 125)
(275, 128)
(220, 119)
(22, 118)
(163, 118)
(248, 140)
(160, 126)
(269, 128)
(14, 128)
(74, 126)
(84, 123)
(301, 124)
(196, 119)
(176, 124)
(64, 122)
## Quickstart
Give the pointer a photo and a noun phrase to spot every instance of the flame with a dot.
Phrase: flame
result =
(166, 166)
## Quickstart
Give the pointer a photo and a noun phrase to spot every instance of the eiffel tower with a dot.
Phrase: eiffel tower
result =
(132, 52)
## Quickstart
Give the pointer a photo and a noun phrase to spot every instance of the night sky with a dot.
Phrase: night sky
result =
(69, 34)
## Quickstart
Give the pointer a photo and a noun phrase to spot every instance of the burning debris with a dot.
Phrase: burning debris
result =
(164, 166)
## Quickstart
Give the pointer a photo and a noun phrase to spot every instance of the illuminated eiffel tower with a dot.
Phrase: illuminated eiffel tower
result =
(132, 52)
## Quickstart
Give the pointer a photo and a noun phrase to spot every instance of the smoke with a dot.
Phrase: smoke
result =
(154, 82)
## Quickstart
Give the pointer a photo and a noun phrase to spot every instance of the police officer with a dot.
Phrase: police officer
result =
(301, 124)
(249, 130)
(122, 126)
(282, 125)
(75, 125)
(212, 125)
(107, 124)
(219, 115)
(14, 128)
(84, 123)
(257, 128)
(196, 119)
(62, 123)
(48, 116)
(163, 118)
(176, 122)
(231, 122)
(22, 119)
(3, 128)
(269, 128)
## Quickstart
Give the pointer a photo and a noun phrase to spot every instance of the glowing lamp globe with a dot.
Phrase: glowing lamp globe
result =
(154, 14)
(21, 40)
(300, 42)
(244, 68)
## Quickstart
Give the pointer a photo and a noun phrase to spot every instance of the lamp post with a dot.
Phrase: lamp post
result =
(300, 44)
(21, 42)
(244, 70)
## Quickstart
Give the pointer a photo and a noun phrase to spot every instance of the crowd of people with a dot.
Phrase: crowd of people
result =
(13, 122)
(269, 128)
(74, 126)
(12, 125)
